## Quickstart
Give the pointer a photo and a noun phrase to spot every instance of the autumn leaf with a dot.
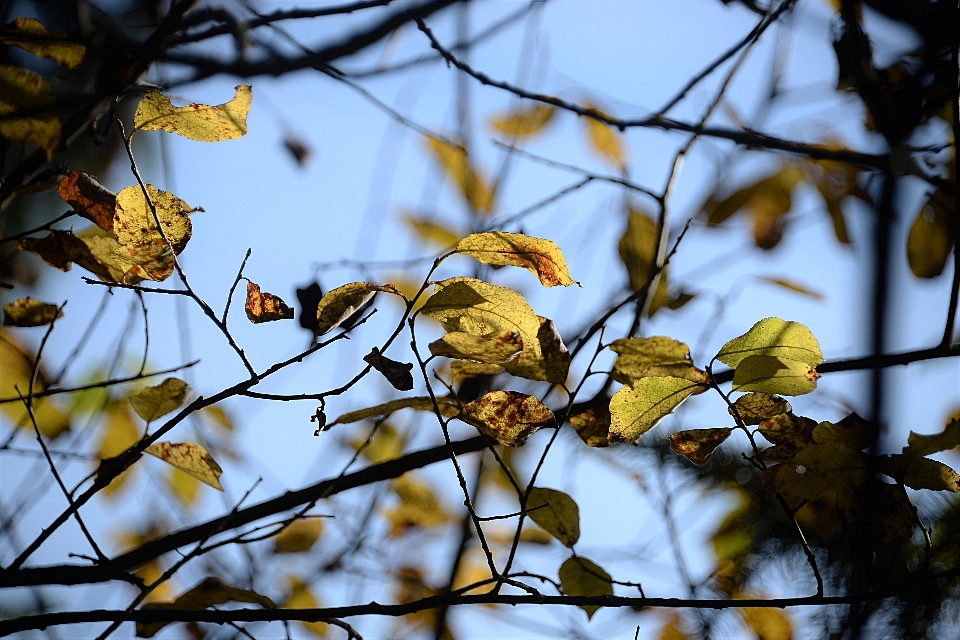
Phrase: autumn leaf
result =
(768, 623)
(183, 486)
(794, 286)
(152, 403)
(592, 423)
(918, 472)
(200, 122)
(28, 312)
(817, 469)
(208, 593)
(605, 140)
(22, 89)
(550, 362)
(265, 307)
(338, 305)
(134, 224)
(302, 598)
(922, 445)
(476, 189)
(461, 369)
(16, 374)
(556, 512)
(431, 231)
(932, 234)
(788, 429)
(490, 349)
(385, 444)
(582, 577)
(89, 198)
(523, 122)
(418, 506)
(119, 431)
(638, 247)
(754, 408)
(397, 373)
(773, 374)
(507, 416)
(853, 431)
(541, 257)
(298, 536)
(448, 407)
(697, 444)
(636, 409)
(30, 35)
(189, 458)
(657, 356)
(773, 337)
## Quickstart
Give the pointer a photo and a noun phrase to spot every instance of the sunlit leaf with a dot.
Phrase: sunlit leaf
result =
(208, 593)
(773, 374)
(418, 506)
(190, 458)
(773, 337)
(556, 512)
(120, 431)
(22, 89)
(921, 445)
(932, 234)
(30, 35)
(817, 469)
(582, 577)
(147, 261)
(605, 140)
(431, 231)
(541, 257)
(302, 598)
(550, 362)
(152, 403)
(636, 409)
(461, 369)
(476, 189)
(490, 349)
(298, 536)
(754, 408)
(91, 249)
(89, 198)
(16, 371)
(29, 312)
(151, 573)
(507, 416)
(448, 407)
(265, 307)
(397, 373)
(791, 285)
(638, 247)
(201, 122)
(697, 444)
(134, 224)
(524, 121)
(657, 356)
(341, 303)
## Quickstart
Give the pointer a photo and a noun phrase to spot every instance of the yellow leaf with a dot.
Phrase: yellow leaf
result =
(523, 122)
(30, 35)
(507, 416)
(418, 506)
(91, 248)
(134, 224)
(794, 286)
(920, 445)
(28, 312)
(150, 574)
(201, 122)
(557, 513)
(448, 407)
(22, 89)
(490, 349)
(605, 140)
(638, 247)
(549, 362)
(432, 232)
(190, 458)
(476, 190)
(298, 536)
(768, 623)
(302, 598)
(473, 569)
(265, 307)
(148, 261)
(16, 369)
(152, 403)
(219, 417)
(341, 303)
(657, 356)
(469, 369)
(184, 486)
(636, 409)
(773, 374)
(697, 444)
(853, 431)
(541, 257)
(817, 469)
(773, 337)
(120, 431)
(582, 577)
(386, 445)
(932, 235)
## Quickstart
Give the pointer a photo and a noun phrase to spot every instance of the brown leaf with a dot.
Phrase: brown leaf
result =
(89, 198)
(593, 423)
(507, 416)
(697, 444)
(265, 307)
(60, 249)
(397, 373)
(28, 312)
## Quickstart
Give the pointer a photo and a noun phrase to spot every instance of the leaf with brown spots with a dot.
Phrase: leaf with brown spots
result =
(152, 403)
(541, 257)
(265, 307)
(507, 416)
(89, 198)
(592, 423)
(339, 305)
(754, 408)
(91, 249)
(697, 444)
(28, 312)
(30, 35)
(397, 373)
(494, 348)
(134, 224)
(657, 356)
(201, 122)
(190, 458)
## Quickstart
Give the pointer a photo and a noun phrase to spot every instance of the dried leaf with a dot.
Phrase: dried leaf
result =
(89, 198)
(28, 312)
(298, 536)
(147, 261)
(397, 373)
(922, 445)
(134, 224)
(638, 247)
(932, 235)
(550, 362)
(476, 189)
(431, 231)
(201, 122)
(22, 89)
(636, 409)
(190, 458)
(605, 140)
(152, 403)
(448, 407)
(507, 416)
(490, 349)
(773, 337)
(30, 35)
(208, 593)
(541, 257)
(265, 307)
(523, 122)
(791, 285)
(593, 424)
(556, 512)
(697, 444)
(89, 249)
(582, 577)
(337, 306)
(754, 408)
(772, 374)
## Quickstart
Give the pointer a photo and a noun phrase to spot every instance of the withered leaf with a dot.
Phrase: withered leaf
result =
(91, 249)
(541, 257)
(507, 416)
(397, 373)
(592, 422)
(190, 458)
(265, 307)
(697, 444)
(28, 312)
(89, 198)
(309, 298)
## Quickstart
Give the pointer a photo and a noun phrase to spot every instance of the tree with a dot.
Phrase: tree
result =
(445, 412)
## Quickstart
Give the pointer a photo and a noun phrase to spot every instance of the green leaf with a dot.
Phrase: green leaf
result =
(773, 374)
(189, 458)
(548, 360)
(853, 431)
(773, 337)
(201, 122)
(22, 89)
(541, 257)
(209, 593)
(524, 121)
(638, 247)
(341, 303)
(697, 444)
(754, 408)
(298, 536)
(507, 416)
(28, 312)
(490, 349)
(817, 469)
(152, 403)
(30, 35)
(636, 409)
(921, 445)
(657, 356)
(932, 234)
(582, 577)
(448, 407)
(555, 512)
(920, 473)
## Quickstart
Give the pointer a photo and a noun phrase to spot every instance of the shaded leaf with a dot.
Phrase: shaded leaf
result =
(489, 349)
(507, 416)
(28, 312)
(541, 257)
(418, 506)
(309, 298)
(16, 371)
(298, 536)
(853, 431)
(523, 121)
(89, 198)
(549, 362)
(817, 469)
(773, 337)
(30, 35)
(397, 373)
(476, 189)
(920, 473)
(134, 224)
(201, 122)
(638, 247)
(932, 234)
(921, 445)
(265, 307)
(470, 369)
(448, 407)
(208, 593)
(791, 285)
(582, 577)
(788, 429)
(189, 458)
(772, 374)
(432, 232)
(556, 512)
(636, 409)
(22, 89)
(593, 423)
(338, 305)
(657, 356)
(754, 408)
(697, 444)
(605, 140)
(152, 403)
